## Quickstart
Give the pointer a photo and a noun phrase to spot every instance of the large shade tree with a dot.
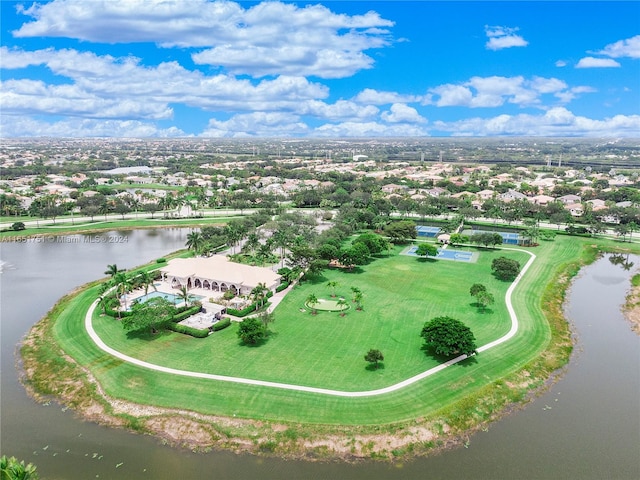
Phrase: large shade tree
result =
(448, 336)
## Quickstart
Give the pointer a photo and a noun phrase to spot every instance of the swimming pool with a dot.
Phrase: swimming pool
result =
(171, 297)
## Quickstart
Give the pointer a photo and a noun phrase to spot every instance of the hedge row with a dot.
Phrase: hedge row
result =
(241, 313)
(183, 313)
(224, 323)
(282, 286)
(248, 309)
(194, 332)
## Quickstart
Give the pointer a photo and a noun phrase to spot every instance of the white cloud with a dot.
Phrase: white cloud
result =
(368, 129)
(495, 91)
(592, 62)
(401, 113)
(374, 97)
(555, 122)
(121, 87)
(503, 37)
(257, 124)
(452, 95)
(340, 110)
(269, 38)
(629, 47)
(22, 126)
(561, 63)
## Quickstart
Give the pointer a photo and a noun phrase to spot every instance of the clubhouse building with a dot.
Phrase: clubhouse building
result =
(217, 274)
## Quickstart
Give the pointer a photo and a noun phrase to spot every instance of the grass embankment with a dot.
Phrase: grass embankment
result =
(48, 228)
(400, 293)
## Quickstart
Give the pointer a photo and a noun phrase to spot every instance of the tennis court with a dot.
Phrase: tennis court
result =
(427, 231)
(447, 254)
(508, 238)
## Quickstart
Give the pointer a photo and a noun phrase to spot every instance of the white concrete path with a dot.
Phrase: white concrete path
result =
(324, 391)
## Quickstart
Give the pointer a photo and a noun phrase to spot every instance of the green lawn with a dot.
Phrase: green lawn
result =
(327, 350)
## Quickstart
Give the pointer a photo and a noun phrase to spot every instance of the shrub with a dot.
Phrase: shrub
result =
(241, 313)
(224, 323)
(17, 226)
(194, 332)
(183, 313)
(282, 286)
(161, 260)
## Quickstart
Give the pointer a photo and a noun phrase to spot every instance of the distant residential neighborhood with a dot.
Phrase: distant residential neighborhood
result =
(587, 183)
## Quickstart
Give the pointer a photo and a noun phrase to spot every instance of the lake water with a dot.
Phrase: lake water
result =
(586, 427)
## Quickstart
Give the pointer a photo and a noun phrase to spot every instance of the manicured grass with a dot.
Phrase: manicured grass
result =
(400, 294)
(326, 350)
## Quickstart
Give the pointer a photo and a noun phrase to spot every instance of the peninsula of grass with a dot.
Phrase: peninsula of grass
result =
(48, 228)
(400, 293)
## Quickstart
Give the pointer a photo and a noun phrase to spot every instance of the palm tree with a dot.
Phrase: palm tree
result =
(11, 468)
(112, 270)
(183, 294)
(355, 291)
(195, 241)
(123, 284)
(145, 279)
(259, 293)
(312, 301)
(332, 285)
(358, 299)
(341, 303)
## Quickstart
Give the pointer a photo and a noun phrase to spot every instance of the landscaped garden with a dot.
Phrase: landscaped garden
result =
(399, 294)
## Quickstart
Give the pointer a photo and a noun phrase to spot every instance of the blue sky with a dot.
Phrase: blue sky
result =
(204, 68)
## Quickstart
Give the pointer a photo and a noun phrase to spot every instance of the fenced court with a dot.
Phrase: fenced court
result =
(508, 238)
(447, 254)
(427, 231)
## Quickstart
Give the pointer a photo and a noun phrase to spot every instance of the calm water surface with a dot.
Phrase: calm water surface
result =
(586, 427)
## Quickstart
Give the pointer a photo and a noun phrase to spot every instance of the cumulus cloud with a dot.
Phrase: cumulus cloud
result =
(495, 91)
(122, 87)
(503, 37)
(593, 62)
(256, 124)
(269, 38)
(371, 96)
(21, 126)
(629, 47)
(555, 122)
(368, 129)
(401, 113)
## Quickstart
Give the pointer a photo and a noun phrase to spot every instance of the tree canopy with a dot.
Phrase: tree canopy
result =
(251, 330)
(427, 250)
(374, 356)
(505, 268)
(401, 231)
(152, 315)
(448, 336)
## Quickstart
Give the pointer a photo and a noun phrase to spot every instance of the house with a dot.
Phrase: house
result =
(393, 188)
(511, 195)
(575, 209)
(541, 199)
(569, 199)
(218, 274)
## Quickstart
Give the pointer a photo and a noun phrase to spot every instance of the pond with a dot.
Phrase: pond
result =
(586, 426)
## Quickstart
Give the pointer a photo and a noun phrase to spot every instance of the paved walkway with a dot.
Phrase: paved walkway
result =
(324, 391)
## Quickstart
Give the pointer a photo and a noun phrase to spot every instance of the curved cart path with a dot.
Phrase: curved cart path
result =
(324, 391)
